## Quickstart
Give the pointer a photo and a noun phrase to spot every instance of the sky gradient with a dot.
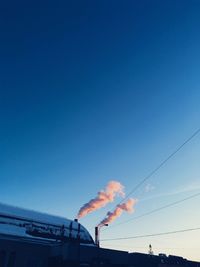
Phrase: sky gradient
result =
(93, 91)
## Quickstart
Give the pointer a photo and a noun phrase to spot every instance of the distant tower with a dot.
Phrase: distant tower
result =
(150, 250)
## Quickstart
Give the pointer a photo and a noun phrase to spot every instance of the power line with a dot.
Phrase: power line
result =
(151, 235)
(161, 164)
(155, 210)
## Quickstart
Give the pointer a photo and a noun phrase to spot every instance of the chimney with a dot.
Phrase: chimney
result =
(76, 220)
(97, 236)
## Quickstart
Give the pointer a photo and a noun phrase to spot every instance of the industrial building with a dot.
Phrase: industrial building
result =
(33, 239)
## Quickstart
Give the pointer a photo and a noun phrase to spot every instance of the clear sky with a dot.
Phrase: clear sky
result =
(92, 91)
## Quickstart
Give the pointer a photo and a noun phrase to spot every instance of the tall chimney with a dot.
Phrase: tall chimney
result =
(97, 236)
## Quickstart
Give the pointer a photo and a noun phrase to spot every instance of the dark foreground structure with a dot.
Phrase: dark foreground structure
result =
(31, 239)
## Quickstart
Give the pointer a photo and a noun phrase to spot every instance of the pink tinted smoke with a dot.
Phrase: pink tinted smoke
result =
(103, 197)
(128, 206)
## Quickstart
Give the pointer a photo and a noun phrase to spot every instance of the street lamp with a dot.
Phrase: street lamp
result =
(97, 233)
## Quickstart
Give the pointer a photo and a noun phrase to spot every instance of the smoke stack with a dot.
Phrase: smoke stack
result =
(76, 220)
(97, 236)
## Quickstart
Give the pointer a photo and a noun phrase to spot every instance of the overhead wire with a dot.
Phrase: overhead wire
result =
(161, 164)
(159, 167)
(155, 210)
(151, 235)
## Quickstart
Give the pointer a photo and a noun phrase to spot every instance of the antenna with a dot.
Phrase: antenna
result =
(150, 250)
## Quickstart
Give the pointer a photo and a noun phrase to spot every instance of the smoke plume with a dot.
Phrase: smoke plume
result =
(103, 197)
(127, 206)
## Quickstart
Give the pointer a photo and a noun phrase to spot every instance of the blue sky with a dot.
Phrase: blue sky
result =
(101, 90)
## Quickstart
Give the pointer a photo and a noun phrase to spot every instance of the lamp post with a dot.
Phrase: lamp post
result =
(97, 233)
